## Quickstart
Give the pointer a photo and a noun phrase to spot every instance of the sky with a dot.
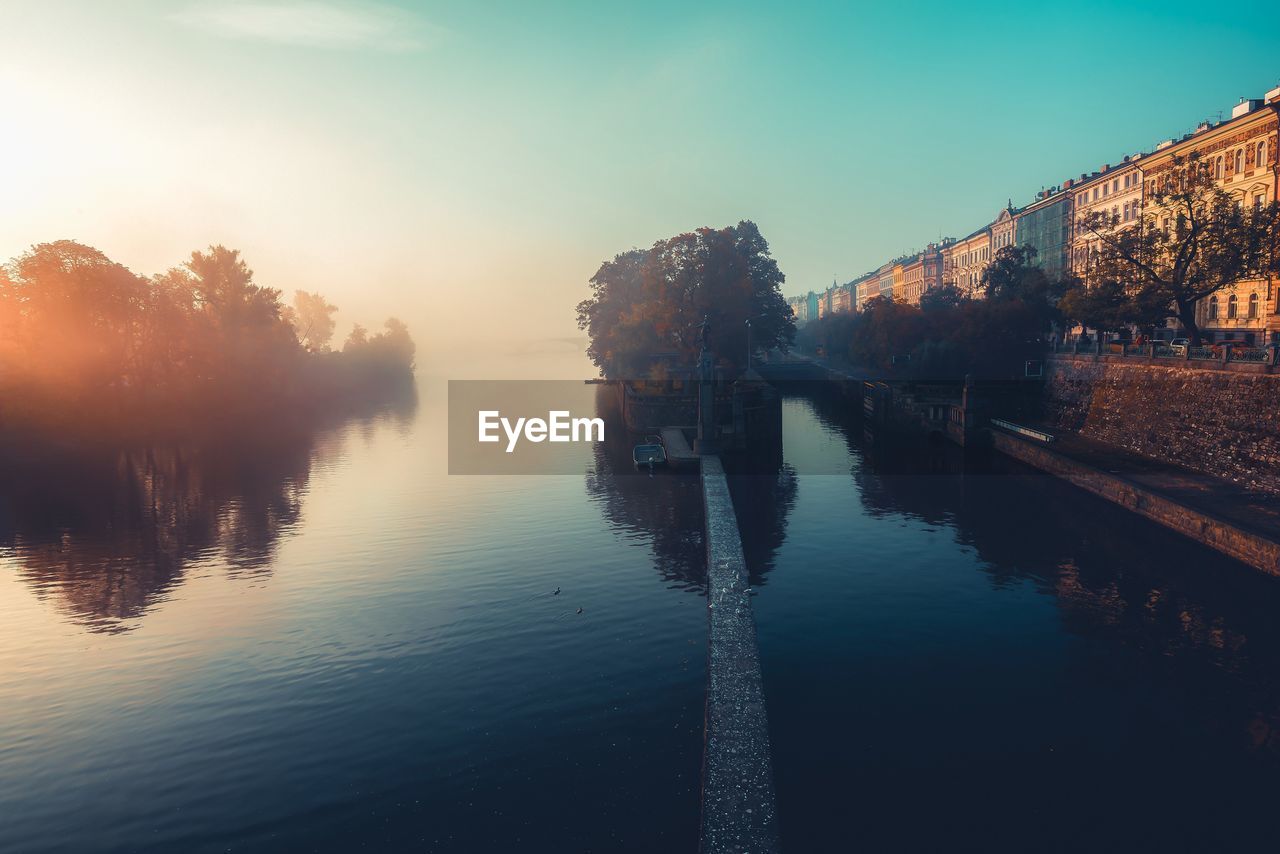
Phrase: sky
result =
(468, 165)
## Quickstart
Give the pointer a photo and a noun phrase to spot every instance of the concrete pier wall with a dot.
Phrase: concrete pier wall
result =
(1251, 547)
(738, 805)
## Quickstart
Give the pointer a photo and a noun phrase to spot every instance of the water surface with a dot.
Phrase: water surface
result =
(325, 643)
(320, 641)
(992, 660)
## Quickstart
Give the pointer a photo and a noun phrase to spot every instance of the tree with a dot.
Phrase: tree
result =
(885, 329)
(647, 304)
(394, 346)
(75, 313)
(1014, 274)
(1266, 227)
(358, 338)
(247, 342)
(312, 319)
(941, 298)
(389, 351)
(1108, 306)
(86, 342)
(1192, 241)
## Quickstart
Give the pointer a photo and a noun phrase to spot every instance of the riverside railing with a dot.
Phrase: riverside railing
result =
(1228, 352)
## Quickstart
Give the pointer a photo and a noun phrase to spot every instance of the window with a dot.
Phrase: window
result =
(1261, 159)
(1213, 308)
(1239, 160)
(1253, 306)
(1105, 189)
(1115, 186)
(1232, 306)
(1259, 200)
(1217, 169)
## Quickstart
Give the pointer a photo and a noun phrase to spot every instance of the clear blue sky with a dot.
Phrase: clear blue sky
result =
(465, 157)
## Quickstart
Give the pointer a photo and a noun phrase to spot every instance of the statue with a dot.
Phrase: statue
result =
(706, 332)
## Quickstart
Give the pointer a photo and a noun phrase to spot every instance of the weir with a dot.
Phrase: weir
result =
(738, 804)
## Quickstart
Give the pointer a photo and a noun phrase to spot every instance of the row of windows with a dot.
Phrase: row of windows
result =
(977, 256)
(1131, 179)
(1233, 307)
(1236, 161)
(1130, 211)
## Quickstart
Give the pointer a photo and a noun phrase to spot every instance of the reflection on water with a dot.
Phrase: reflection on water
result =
(1028, 666)
(106, 533)
(317, 641)
(320, 642)
(665, 508)
(762, 503)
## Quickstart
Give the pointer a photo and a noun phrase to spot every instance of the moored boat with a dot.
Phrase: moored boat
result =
(650, 453)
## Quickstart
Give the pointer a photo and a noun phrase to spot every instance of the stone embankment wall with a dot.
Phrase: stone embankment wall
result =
(1252, 548)
(1222, 423)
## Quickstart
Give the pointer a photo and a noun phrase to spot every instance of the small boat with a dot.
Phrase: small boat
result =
(649, 453)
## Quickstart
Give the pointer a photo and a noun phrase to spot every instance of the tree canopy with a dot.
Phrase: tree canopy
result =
(1192, 240)
(948, 335)
(312, 319)
(648, 304)
(83, 337)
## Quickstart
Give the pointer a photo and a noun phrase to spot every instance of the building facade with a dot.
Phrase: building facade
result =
(885, 279)
(1240, 155)
(969, 257)
(1114, 191)
(1003, 229)
(1045, 226)
(921, 273)
(841, 301)
(865, 287)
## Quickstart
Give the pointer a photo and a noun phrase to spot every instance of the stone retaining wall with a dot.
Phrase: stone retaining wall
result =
(1222, 423)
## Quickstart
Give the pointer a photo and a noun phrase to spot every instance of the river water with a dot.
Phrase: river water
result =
(324, 642)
